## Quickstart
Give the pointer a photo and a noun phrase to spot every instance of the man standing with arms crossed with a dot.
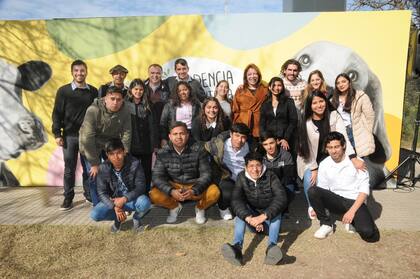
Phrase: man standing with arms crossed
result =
(71, 103)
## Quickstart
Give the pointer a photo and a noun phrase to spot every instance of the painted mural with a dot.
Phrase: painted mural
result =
(35, 58)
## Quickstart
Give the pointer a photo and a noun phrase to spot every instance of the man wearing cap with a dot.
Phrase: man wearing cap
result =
(105, 119)
(118, 73)
(71, 103)
(181, 70)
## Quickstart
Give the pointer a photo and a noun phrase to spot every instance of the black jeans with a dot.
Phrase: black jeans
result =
(70, 154)
(322, 199)
(226, 188)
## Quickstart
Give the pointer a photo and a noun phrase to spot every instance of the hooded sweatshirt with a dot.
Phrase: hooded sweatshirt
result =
(101, 125)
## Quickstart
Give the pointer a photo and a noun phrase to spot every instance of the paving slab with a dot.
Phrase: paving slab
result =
(396, 209)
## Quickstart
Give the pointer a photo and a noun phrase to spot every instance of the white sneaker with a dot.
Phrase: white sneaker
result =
(225, 214)
(323, 232)
(173, 214)
(350, 228)
(200, 216)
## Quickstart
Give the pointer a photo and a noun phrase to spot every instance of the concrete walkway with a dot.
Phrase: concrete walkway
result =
(397, 209)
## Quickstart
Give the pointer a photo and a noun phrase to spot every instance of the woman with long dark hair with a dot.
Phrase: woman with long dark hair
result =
(144, 137)
(278, 114)
(355, 108)
(317, 122)
(182, 106)
(210, 122)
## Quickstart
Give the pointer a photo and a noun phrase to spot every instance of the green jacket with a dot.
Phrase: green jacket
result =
(99, 126)
(216, 147)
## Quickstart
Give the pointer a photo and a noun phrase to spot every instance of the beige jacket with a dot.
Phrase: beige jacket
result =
(362, 121)
(336, 124)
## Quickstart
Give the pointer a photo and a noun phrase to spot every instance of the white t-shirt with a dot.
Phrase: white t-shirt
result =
(342, 178)
(344, 114)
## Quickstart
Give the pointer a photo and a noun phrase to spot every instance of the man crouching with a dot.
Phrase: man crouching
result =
(258, 201)
(182, 173)
(121, 187)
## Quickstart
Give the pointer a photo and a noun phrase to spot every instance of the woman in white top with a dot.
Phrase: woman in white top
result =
(221, 93)
(317, 123)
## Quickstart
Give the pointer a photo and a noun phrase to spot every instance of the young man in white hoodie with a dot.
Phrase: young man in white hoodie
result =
(258, 201)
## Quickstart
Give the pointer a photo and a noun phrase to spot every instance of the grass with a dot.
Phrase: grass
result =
(48, 251)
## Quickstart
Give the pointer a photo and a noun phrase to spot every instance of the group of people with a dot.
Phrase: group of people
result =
(245, 153)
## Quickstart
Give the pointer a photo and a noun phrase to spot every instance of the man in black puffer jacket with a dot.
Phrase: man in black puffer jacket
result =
(181, 173)
(258, 201)
(121, 187)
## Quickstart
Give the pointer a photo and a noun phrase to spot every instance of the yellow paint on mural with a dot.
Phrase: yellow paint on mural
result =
(188, 36)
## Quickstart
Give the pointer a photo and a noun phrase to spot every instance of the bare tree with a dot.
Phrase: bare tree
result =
(381, 5)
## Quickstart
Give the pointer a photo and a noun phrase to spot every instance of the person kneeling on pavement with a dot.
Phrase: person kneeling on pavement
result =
(258, 201)
(342, 190)
(121, 188)
(182, 173)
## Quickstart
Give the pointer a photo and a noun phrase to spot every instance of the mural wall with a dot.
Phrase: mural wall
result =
(35, 58)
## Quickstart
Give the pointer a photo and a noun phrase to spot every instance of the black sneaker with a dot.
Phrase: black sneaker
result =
(116, 227)
(138, 227)
(273, 255)
(66, 205)
(232, 253)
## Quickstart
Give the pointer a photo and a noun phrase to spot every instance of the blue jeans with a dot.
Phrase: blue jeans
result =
(273, 230)
(307, 183)
(349, 131)
(102, 212)
(90, 180)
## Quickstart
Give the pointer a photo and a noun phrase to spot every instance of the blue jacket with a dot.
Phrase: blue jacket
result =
(132, 176)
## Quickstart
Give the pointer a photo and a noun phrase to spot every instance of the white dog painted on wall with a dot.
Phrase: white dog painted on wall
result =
(332, 59)
(20, 129)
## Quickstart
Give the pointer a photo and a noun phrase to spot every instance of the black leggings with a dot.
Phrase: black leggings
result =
(322, 199)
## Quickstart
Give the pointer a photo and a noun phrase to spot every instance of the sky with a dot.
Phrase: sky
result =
(46, 9)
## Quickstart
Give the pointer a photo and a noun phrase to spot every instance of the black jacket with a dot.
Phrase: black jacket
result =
(132, 176)
(283, 166)
(157, 106)
(266, 196)
(191, 167)
(144, 136)
(284, 123)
